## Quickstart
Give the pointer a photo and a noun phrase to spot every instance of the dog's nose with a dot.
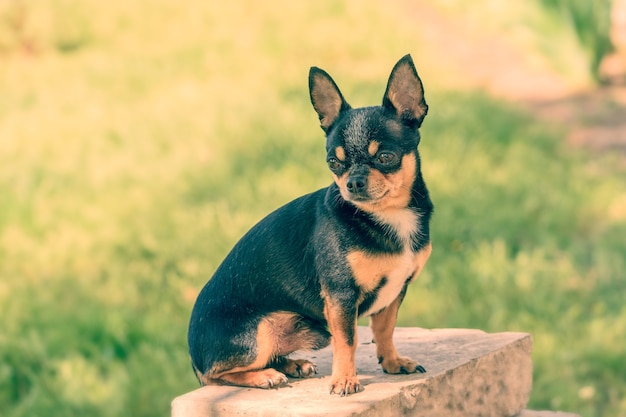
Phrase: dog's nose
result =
(357, 184)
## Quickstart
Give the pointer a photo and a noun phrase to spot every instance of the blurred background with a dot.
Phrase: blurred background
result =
(140, 139)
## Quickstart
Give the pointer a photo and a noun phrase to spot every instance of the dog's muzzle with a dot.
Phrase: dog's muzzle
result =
(357, 183)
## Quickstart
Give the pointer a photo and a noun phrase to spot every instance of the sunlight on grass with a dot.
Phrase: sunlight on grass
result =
(547, 42)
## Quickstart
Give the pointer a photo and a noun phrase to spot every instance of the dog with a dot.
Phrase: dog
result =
(302, 276)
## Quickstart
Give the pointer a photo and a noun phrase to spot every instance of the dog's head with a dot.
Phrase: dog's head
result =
(372, 151)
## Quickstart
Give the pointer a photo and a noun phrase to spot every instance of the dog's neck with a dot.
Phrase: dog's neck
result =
(404, 222)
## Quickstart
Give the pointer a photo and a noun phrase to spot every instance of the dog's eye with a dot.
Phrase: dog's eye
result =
(386, 158)
(334, 164)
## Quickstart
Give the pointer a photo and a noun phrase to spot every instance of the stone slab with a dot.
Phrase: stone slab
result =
(469, 373)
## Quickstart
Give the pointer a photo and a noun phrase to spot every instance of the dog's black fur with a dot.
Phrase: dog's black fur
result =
(301, 277)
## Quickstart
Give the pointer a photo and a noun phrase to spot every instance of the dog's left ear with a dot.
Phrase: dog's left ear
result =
(405, 93)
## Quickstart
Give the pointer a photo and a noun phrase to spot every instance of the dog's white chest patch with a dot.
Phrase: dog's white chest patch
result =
(403, 222)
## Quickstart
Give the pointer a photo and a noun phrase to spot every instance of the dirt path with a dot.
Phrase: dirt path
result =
(595, 117)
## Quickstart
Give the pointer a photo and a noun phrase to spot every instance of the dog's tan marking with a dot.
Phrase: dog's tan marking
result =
(401, 183)
(262, 378)
(245, 375)
(389, 191)
(368, 269)
(267, 350)
(343, 380)
(383, 323)
(373, 147)
(340, 153)
(278, 334)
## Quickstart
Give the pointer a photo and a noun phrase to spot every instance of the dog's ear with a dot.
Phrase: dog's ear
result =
(325, 97)
(405, 93)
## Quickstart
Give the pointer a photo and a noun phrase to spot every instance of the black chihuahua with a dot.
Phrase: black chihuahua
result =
(303, 275)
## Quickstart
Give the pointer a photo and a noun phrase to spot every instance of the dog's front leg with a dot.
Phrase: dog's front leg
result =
(342, 322)
(383, 324)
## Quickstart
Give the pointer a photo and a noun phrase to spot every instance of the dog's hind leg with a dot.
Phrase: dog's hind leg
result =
(278, 335)
(262, 378)
(296, 333)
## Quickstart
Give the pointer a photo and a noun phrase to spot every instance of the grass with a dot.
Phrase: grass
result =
(138, 146)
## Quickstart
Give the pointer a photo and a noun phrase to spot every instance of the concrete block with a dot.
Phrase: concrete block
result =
(469, 373)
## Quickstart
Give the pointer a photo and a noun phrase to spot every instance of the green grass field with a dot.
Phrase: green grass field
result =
(140, 140)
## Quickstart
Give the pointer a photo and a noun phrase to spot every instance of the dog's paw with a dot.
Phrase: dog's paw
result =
(269, 378)
(401, 365)
(298, 368)
(345, 385)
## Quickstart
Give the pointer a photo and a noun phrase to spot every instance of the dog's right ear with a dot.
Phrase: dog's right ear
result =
(325, 97)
